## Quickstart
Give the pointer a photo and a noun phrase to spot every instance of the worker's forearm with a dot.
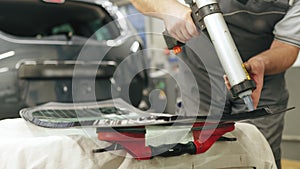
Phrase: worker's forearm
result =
(151, 7)
(278, 58)
(159, 8)
(176, 16)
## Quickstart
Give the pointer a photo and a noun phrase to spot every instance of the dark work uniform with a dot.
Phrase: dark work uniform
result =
(253, 25)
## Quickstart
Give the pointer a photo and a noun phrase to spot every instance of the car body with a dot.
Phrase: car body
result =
(40, 42)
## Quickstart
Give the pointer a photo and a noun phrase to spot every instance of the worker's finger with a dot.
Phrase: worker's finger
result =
(226, 81)
(185, 34)
(255, 67)
(247, 66)
(175, 34)
(175, 30)
(192, 29)
(182, 32)
(179, 36)
(188, 30)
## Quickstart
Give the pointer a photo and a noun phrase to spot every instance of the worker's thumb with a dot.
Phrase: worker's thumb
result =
(247, 67)
(226, 81)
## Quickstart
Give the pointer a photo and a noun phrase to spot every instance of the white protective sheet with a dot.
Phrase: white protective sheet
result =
(25, 146)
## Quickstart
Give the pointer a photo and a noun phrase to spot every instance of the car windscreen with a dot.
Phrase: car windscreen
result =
(37, 19)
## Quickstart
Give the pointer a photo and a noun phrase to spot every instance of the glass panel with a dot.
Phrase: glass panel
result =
(35, 19)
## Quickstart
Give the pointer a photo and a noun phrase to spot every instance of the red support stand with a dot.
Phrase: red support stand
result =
(204, 134)
(133, 143)
(205, 138)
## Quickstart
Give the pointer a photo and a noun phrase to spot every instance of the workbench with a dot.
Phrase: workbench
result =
(24, 145)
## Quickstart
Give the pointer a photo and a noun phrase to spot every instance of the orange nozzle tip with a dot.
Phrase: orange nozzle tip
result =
(177, 49)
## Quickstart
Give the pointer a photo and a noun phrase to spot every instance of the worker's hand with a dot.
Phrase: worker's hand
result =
(179, 23)
(256, 68)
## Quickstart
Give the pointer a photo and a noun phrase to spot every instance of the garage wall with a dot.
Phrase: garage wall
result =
(291, 135)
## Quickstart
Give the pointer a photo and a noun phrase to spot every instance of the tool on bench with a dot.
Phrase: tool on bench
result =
(207, 14)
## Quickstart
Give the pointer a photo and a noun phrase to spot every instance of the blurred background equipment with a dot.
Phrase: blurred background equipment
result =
(50, 33)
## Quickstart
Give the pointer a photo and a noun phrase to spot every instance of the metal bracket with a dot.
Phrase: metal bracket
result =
(199, 13)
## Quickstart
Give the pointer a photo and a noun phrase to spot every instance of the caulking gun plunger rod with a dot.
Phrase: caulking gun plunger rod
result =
(207, 13)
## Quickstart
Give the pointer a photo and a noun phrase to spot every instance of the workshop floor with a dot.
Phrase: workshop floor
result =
(290, 164)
